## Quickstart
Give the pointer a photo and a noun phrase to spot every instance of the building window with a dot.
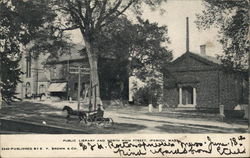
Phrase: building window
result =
(28, 67)
(41, 89)
(27, 90)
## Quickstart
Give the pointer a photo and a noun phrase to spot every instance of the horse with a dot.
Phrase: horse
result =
(81, 114)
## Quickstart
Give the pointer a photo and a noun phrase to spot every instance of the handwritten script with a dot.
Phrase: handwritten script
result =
(163, 147)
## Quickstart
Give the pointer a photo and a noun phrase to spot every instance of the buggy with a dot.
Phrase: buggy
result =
(96, 118)
(89, 118)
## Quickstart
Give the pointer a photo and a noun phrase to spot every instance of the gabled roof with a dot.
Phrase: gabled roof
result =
(74, 54)
(209, 58)
(200, 57)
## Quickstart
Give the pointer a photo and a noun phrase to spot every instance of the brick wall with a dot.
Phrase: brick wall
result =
(231, 87)
(214, 86)
(206, 88)
(171, 97)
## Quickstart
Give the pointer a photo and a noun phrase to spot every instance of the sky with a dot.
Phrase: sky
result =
(174, 18)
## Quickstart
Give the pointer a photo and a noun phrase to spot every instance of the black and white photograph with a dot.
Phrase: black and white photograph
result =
(129, 67)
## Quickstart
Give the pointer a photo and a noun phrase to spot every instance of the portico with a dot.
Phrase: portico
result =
(187, 95)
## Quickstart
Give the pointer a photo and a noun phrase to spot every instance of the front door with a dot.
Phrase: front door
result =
(187, 95)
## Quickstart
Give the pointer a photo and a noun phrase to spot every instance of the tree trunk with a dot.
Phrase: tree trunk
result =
(1, 99)
(93, 62)
(248, 84)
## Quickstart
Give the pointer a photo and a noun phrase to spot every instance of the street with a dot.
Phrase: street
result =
(47, 117)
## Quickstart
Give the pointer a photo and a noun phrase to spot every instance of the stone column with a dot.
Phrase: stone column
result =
(222, 115)
(180, 96)
(160, 107)
(194, 95)
(150, 108)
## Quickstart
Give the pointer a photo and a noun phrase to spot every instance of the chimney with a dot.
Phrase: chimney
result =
(203, 49)
(187, 35)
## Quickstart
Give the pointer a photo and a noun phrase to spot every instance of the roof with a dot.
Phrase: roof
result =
(202, 58)
(209, 58)
(75, 53)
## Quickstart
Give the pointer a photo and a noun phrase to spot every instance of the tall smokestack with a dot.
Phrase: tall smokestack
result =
(187, 36)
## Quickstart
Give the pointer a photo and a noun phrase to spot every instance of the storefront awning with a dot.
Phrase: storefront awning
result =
(57, 87)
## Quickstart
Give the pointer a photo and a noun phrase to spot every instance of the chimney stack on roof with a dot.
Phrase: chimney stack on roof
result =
(187, 35)
(203, 49)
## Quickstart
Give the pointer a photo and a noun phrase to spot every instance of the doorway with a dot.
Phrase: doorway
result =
(187, 97)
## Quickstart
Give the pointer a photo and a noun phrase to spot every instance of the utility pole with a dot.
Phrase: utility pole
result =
(1, 99)
(68, 79)
(79, 87)
(37, 77)
(36, 81)
(90, 95)
(80, 71)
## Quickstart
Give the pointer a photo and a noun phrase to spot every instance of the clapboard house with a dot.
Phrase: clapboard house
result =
(199, 81)
(64, 76)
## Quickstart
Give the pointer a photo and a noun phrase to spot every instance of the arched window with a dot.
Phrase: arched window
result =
(27, 90)
(28, 66)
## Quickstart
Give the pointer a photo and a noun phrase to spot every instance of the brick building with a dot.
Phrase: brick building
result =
(201, 82)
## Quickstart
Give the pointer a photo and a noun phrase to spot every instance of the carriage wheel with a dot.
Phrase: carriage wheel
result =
(99, 122)
(89, 122)
(109, 122)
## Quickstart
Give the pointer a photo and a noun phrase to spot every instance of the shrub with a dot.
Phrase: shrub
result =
(147, 95)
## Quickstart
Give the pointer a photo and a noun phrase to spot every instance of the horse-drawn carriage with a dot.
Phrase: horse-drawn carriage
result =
(91, 117)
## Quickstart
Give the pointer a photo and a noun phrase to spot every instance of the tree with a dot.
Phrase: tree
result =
(149, 56)
(22, 22)
(232, 19)
(10, 73)
(90, 16)
(11, 33)
(136, 49)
